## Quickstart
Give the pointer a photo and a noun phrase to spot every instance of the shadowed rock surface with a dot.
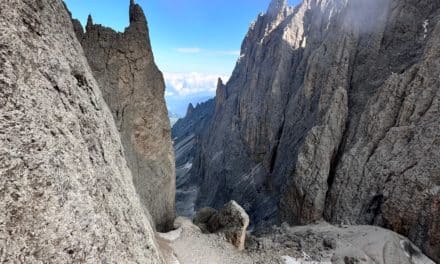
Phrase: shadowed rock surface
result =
(187, 134)
(66, 193)
(332, 112)
(133, 87)
(202, 217)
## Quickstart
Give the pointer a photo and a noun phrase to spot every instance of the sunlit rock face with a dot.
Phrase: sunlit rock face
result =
(66, 193)
(332, 112)
(133, 87)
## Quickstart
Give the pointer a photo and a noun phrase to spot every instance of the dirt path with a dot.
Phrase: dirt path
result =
(191, 246)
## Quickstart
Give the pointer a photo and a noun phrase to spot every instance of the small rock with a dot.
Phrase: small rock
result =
(350, 260)
(329, 243)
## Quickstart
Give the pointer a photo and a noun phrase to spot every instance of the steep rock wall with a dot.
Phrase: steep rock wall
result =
(66, 193)
(332, 112)
(133, 87)
(187, 134)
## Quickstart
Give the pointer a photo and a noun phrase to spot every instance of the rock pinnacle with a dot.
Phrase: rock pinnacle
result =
(275, 7)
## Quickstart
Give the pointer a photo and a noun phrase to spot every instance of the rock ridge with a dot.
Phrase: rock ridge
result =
(187, 134)
(276, 7)
(133, 87)
(331, 115)
(221, 95)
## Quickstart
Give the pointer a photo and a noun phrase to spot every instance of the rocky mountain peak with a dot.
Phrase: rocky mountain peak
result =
(276, 7)
(341, 143)
(136, 13)
(89, 22)
(221, 94)
(148, 148)
(190, 109)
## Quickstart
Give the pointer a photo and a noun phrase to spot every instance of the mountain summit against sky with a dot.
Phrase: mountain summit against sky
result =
(276, 6)
(323, 146)
(194, 42)
(332, 113)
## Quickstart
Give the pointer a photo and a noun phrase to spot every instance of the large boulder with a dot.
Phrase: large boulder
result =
(232, 221)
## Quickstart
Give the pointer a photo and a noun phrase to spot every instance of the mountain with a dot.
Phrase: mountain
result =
(67, 194)
(178, 103)
(331, 113)
(133, 87)
(186, 134)
(173, 118)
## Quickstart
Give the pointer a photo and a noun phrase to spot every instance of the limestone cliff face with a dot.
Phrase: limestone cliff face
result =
(66, 193)
(187, 134)
(332, 112)
(133, 87)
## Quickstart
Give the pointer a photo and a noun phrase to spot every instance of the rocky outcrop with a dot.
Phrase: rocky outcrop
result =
(187, 134)
(221, 95)
(195, 121)
(133, 87)
(190, 109)
(66, 193)
(332, 114)
(231, 220)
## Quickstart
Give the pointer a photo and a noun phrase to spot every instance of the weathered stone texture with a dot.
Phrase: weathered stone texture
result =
(66, 193)
(133, 87)
(332, 112)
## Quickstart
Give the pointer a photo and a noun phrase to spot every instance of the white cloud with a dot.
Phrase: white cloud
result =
(169, 93)
(192, 83)
(189, 50)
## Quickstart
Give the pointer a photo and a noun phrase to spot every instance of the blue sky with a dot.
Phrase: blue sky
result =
(194, 41)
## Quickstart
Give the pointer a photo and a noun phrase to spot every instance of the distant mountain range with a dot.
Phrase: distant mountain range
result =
(173, 118)
(177, 105)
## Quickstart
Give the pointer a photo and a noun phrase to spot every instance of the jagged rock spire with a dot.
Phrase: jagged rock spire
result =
(190, 109)
(89, 22)
(220, 86)
(276, 6)
(136, 13)
(221, 95)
